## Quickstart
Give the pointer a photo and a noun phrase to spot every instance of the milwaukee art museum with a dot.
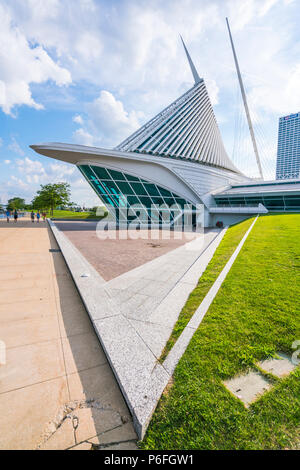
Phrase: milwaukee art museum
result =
(174, 161)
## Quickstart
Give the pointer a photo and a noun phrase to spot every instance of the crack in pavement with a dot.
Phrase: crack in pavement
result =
(68, 411)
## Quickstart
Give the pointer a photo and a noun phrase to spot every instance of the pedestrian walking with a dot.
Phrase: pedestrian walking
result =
(16, 215)
(38, 216)
(7, 215)
(32, 216)
(44, 216)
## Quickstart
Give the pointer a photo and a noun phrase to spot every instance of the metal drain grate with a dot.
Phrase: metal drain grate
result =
(55, 250)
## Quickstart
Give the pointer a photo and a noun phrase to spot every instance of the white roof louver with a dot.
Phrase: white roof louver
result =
(187, 128)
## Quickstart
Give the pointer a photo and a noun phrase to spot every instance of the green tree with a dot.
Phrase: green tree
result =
(52, 195)
(16, 203)
(39, 203)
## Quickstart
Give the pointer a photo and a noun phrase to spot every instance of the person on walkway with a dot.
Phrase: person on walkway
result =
(7, 215)
(38, 216)
(16, 215)
(44, 216)
(32, 216)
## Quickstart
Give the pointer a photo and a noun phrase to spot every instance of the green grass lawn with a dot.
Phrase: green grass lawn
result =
(57, 214)
(254, 315)
(230, 241)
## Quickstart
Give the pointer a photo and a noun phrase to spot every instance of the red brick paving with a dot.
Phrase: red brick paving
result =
(113, 257)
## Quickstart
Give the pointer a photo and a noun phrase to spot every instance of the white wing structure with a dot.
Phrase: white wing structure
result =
(186, 129)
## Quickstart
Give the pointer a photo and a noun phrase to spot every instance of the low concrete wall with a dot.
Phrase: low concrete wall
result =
(228, 219)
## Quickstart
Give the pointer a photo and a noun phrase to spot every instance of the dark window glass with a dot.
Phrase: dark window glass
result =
(237, 202)
(132, 200)
(98, 189)
(101, 173)
(146, 201)
(131, 178)
(97, 185)
(272, 198)
(181, 202)
(118, 199)
(292, 197)
(110, 187)
(169, 200)
(125, 187)
(221, 200)
(274, 202)
(152, 190)
(116, 175)
(140, 212)
(292, 202)
(157, 200)
(108, 200)
(87, 171)
(139, 189)
(164, 192)
(252, 201)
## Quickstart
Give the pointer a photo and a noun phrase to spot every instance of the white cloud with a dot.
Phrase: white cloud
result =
(134, 46)
(213, 91)
(7, 162)
(109, 118)
(29, 167)
(78, 119)
(17, 182)
(33, 171)
(83, 137)
(60, 171)
(15, 147)
(108, 122)
(21, 64)
(29, 174)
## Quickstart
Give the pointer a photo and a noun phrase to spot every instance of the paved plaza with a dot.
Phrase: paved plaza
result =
(124, 251)
(134, 313)
(57, 390)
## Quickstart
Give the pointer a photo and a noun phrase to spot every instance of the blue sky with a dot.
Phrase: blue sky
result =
(93, 71)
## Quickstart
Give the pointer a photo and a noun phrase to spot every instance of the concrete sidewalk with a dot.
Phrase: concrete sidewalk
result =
(57, 390)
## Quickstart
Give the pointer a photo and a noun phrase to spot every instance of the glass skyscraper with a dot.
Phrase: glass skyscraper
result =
(288, 151)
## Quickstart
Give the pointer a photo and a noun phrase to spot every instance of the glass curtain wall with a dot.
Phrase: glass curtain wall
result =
(152, 203)
(274, 202)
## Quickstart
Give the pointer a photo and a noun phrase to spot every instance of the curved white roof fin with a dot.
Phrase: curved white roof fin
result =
(193, 68)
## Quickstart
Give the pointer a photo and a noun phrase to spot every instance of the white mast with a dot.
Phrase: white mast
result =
(193, 68)
(245, 104)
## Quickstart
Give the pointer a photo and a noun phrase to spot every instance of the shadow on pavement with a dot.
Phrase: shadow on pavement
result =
(92, 379)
